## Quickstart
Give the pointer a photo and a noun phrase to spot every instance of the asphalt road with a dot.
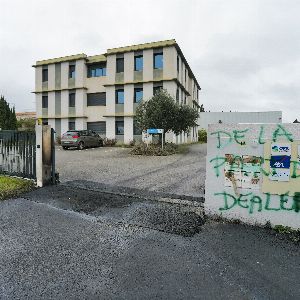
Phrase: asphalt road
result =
(182, 174)
(69, 243)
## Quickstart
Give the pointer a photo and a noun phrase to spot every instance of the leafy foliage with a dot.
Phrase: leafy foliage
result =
(8, 120)
(202, 135)
(154, 149)
(27, 123)
(162, 111)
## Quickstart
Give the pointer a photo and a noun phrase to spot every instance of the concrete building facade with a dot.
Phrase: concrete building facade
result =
(101, 92)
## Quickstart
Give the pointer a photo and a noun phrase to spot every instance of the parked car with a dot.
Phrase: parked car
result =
(81, 139)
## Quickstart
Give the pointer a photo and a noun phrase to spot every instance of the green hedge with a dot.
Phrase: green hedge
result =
(202, 136)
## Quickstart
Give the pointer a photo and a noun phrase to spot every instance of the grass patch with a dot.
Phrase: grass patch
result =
(13, 187)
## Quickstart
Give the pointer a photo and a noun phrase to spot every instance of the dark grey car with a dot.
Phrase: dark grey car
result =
(81, 139)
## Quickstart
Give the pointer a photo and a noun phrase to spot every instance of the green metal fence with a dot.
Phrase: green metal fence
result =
(17, 153)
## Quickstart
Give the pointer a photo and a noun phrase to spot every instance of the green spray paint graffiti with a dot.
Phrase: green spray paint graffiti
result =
(255, 203)
(225, 138)
(237, 163)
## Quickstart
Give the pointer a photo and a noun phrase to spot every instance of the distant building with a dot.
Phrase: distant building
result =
(25, 115)
(239, 117)
(101, 92)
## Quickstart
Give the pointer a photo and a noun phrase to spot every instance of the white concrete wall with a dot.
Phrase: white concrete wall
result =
(38, 78)
(64, 75)
(250, 205)
(147, 90)
(64, 125)
(51, 77)
(238, 117)
(128, 66)
(38, 101)
(81, 73)
(64, 103)
(110, 128)
(128, 99)
(80, 102)
(128, 129)
(51, 105)
(148, 65)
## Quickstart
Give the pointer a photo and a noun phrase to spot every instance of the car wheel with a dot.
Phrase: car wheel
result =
(65, 148)
(81, 146)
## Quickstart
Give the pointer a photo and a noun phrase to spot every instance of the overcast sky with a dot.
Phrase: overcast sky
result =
(244, 53)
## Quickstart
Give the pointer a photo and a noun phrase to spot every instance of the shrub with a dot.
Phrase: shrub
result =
(109, 142)
(202, 136)
(154, 149)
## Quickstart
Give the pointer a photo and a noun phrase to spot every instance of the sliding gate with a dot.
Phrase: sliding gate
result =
(17, 153)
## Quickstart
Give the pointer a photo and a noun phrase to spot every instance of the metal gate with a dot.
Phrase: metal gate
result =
(17, 153)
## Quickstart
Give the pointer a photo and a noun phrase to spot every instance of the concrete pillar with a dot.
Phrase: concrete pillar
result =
(64, 125)
(51, 77)
(128, 66)
(111, 128)
(128, 129)
(43, 155)
(148, 65)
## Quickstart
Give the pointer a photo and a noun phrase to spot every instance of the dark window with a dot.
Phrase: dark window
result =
(71, 71)
(136, 129)
(44, 101)
(97, 70)
(96, 99)
(157, 86)
(138, 63)
(120, 96)
(45, 75)
(120, 65)
(45, 121)
(71, 125)
(98, 127)
(72, 99)
(120, 127)
(177, 64)
(177, 95)
(138, 95)
(158, 60)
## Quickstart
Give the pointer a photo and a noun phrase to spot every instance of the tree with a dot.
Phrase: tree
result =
(162, 111)
(7, 116)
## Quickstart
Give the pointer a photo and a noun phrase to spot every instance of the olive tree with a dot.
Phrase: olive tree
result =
(162, 111)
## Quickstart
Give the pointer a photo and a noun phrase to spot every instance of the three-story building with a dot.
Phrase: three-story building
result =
(101, 92)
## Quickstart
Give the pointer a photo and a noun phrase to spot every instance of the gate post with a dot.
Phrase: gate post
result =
(43, 155)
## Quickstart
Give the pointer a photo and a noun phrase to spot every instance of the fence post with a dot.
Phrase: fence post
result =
(43, 155)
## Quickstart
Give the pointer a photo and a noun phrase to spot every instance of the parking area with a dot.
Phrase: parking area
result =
(182, 174)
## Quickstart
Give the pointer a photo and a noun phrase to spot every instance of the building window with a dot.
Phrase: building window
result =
(45, 121)
(45, 75)
(72, 125)
(72, 71)
(157, 86)
(97, 70)
(138, 63)
(96, 99)
(158, 60)
(177, 95)
(44, 101)
(120, 96)
(120, 127)
(136, 129)
(177, 64)
(72, 99)
(138, 95)
(120, 65)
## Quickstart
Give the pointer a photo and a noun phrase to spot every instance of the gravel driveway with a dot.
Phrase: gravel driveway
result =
(182, 174)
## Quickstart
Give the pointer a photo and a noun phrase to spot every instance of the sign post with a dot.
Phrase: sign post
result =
(157, 131)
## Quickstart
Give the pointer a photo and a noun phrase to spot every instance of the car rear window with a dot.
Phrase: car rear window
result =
(70, 133)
